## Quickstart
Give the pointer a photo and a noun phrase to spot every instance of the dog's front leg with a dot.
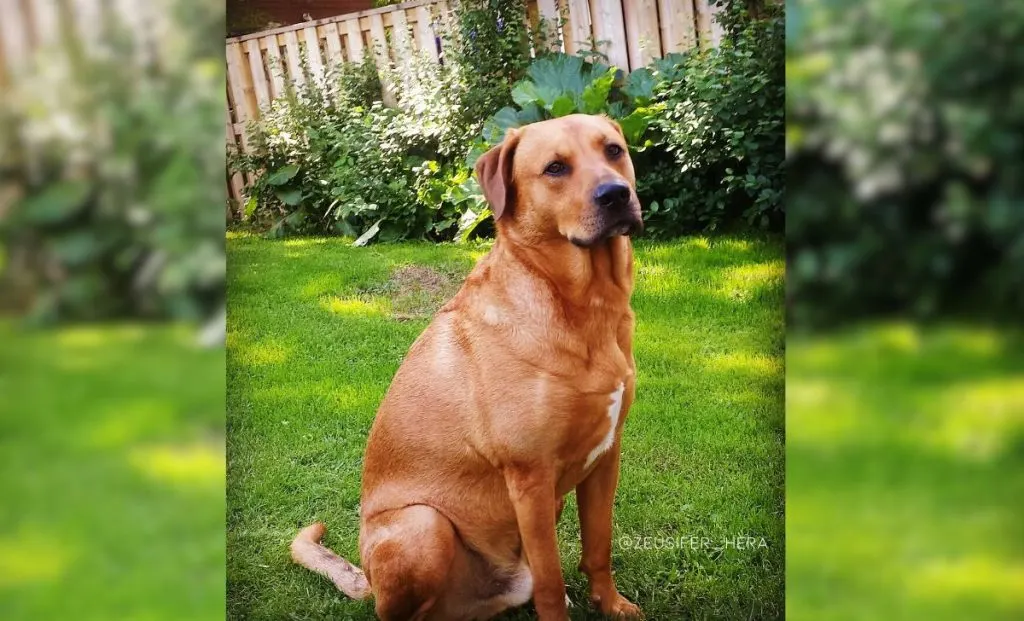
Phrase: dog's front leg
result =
(595, 497)
(533, 495)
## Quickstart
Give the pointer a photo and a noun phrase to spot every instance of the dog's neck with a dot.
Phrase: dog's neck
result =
(579, 274)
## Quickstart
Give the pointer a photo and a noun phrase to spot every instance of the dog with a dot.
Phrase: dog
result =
(515, 395)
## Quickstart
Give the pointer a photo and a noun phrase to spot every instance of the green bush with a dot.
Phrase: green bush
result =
(114, 168)
(723, 121)
(328, 161)
(705, 130)
(906, 155)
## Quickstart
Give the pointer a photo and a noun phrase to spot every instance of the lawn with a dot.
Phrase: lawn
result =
(316, 330)
(905, 474)
(112, 474)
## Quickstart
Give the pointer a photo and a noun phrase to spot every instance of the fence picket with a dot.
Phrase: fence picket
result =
(703, 22)
(292, 53)
(259, 77)
(677, 25)
(606, 17)
(275, 65)
(333, 38)
(313, 55)
(246, 108)
(579, 27)
(354, 41)
(642, 31)
(424, 33)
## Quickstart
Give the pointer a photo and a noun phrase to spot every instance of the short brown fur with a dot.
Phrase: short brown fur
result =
(503, 404)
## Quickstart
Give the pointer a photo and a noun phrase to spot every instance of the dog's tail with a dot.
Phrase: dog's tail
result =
(311, 554)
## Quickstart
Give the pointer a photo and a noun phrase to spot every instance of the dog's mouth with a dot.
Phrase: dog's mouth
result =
(626, 226)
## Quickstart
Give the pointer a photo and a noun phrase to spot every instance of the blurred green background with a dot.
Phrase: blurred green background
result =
(905, 288)
(111, 264)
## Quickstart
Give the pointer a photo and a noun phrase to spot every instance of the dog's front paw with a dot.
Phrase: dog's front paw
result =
(618, 607)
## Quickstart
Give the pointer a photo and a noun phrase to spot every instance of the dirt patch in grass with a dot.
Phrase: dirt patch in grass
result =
(417, 292)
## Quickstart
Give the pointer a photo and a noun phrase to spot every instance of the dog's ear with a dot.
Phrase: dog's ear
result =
(494, 173)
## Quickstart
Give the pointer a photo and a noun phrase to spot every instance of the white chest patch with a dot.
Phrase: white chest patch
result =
(613, 417)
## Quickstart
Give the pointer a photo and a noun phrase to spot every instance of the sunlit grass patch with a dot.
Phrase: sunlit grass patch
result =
(30, 557)
(112, 474)
(198, 463)
(904, 473)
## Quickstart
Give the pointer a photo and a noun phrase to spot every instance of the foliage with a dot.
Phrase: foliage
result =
(905, 181)
(330, 158)
(117, 210)
(706, 129)
(558, 84)
(724, 123)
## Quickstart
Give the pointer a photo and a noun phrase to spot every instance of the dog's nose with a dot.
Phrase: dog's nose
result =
(611, 195)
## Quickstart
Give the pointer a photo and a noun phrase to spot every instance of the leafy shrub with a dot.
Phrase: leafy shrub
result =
(724, 123)
(557, 85)
(906, 154)
(330, 158)
(706, 128)
(117, 210)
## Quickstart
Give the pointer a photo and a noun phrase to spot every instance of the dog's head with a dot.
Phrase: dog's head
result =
(569, 177)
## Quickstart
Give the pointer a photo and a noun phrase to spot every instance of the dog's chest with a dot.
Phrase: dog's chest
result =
(614, 412)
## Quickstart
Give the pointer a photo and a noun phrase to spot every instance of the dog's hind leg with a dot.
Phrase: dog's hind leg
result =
(408, 555)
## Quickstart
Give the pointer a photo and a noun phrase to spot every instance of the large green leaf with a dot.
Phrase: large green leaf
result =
(639, 86)
(526, 92)
(469, 221)
(56, 203)
(289, 197)
(506, 117)
(558, 73)
(282, 175)
(531, 113)
(562, 106)
(250, 207)
(78, 247)
(496, 126)
(634, 125)
(595, 95)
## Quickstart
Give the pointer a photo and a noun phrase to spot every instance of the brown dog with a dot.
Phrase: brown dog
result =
(514, 396)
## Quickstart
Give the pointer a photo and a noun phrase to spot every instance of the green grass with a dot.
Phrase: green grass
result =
(112, 474)
(317, 329)
(905, 474)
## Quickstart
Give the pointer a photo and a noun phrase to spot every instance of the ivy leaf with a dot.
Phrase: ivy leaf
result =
(283, 175)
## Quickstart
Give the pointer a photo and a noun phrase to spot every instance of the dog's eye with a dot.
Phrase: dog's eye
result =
(555, 168)
(613, 151)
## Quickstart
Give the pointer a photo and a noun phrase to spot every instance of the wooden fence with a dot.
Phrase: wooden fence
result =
(259, 65)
